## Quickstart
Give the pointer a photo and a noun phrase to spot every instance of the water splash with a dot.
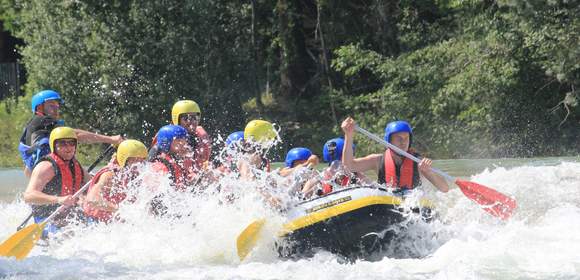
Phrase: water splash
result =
(197, 238)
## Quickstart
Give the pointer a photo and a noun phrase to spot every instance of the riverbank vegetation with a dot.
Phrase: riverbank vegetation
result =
(475, 78)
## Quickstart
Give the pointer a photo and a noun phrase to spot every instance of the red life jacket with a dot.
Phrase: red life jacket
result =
(405, 179)
(70, 181)
(114, 195)
(327, 188)
(176, 172)
(201, 144)
(67, 180)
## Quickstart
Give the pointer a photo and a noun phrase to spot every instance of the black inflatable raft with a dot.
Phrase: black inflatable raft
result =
(353, 222)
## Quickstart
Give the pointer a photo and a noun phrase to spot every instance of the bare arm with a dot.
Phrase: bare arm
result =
(312, 161)
(27, 172)
(41, 175)
(287, 171)
(245, 170)
(95, 194)
(370, 162)
(91, 137)
(439, 182)
(309, 187)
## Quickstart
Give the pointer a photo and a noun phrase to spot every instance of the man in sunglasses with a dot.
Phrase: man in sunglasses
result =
(55, 179)
(34, 140)
(186, 113)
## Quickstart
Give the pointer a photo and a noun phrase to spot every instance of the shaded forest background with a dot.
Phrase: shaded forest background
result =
(474, 78)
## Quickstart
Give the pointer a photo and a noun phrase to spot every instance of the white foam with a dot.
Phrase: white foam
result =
(540, 241)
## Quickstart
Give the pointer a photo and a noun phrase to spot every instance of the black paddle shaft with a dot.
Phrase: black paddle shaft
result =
(104, 154)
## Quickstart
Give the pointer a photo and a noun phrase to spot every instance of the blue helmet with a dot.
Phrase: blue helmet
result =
(398, 126)
(235, 137)
(332, 149)
(167, 134)
(297, 154)
(43, 96)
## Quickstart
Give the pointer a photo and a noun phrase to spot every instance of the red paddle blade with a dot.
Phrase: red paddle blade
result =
(492, 201)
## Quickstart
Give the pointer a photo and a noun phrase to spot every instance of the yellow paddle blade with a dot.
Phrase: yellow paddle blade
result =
(248, 238)
(22, 242)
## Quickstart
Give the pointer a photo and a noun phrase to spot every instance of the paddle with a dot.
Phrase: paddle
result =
(248, 238)
(22, 242)
(97, 161)
(492, 201)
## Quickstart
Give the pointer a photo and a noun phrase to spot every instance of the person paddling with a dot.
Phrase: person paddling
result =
(55, 179)
(33, 143)
(393, 170)
(108, 187)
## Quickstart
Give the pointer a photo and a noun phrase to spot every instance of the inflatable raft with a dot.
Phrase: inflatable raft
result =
(353, 222)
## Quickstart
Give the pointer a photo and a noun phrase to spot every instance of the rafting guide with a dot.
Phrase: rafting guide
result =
(34, 140)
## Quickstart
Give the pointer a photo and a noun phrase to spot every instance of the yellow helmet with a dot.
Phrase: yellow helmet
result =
(62, 132)
(259, 131)
(183, 107)
(130, 148)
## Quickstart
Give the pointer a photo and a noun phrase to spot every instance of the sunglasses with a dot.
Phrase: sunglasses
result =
(66, 142)
(190, 117)
(332, 146)
(332, 150)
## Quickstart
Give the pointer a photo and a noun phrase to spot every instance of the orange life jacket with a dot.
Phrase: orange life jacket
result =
(200, 143)
(115, 195)
(406, 176)
(176, 172)
(327, 188)
(67, 180)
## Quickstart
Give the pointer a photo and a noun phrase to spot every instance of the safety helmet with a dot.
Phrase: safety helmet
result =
(62, 132)
(398, 126)
(167, 134)
(297, 154)
(183, 107)
(259, 131)
(234, 137)
(130, 148)
(332, 149)
(43, 96)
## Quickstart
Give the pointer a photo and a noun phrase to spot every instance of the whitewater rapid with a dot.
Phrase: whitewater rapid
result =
(197, 240)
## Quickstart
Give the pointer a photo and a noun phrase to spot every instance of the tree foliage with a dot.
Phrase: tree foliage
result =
(475, 78)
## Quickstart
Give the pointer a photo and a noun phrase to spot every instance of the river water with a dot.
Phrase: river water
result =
(540, 241)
